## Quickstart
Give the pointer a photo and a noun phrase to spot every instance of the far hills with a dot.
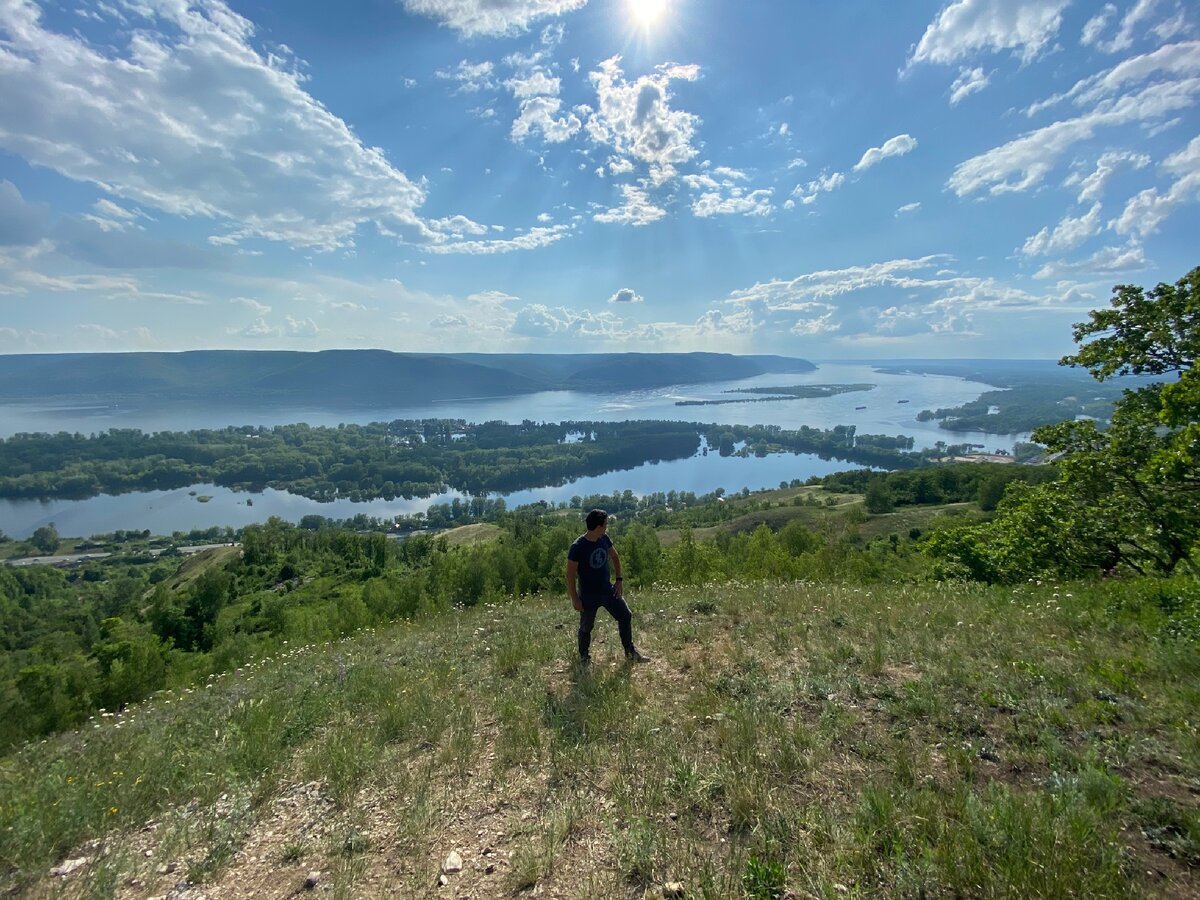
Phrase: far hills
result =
(357, 377)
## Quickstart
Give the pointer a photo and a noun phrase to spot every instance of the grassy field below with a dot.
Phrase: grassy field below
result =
(785, 740)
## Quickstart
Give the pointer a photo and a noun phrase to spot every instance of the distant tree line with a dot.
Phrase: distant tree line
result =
(404, 458)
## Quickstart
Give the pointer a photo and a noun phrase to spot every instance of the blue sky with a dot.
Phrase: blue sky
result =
(830, 180)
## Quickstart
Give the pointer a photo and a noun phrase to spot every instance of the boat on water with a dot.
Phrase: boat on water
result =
(901, 401)
(860, 407)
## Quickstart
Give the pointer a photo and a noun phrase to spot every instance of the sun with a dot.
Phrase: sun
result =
(647, 12)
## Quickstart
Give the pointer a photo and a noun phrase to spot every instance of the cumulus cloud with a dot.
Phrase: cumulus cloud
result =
(539, 321)
(968, 82)
(1146, 211)
(457, 226)
(967, 27)
(1103, 261)
(636, 120)
(908, 208)
(536, 83)
(736, 202)
(625, 295)
(808, 193)
(1068, 234)
(191, 118)
(530, 240)
(491, 17)
(897, 146)
(541, 114)
(637, 210)
(446, 321)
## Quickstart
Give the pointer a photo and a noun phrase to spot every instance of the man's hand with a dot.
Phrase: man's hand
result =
(577, 603)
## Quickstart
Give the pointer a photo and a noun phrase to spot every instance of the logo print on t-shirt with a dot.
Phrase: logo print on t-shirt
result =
(599, 558)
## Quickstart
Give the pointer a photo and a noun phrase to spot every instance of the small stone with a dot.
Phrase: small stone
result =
(71, 865)
(312, 880)
(453, 863)
(673, 889)
(443, 881)
(489, 869)
(841, 888)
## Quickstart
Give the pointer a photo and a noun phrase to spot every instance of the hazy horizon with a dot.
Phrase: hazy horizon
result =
(940, 179)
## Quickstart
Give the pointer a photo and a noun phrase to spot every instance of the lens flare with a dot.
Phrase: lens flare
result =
(648, 12)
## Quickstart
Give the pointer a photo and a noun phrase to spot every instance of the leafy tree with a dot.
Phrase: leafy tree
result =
(45, 538)
(1125, 496)
(878, 498)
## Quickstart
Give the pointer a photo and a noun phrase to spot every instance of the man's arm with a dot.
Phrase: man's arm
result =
(615, 559)
(573, 584)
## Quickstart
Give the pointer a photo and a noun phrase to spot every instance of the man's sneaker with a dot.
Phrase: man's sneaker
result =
(635, 657)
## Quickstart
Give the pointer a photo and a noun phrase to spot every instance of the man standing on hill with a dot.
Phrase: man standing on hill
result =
(589, 587)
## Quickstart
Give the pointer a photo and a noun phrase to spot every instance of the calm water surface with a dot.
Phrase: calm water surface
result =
(166, 511)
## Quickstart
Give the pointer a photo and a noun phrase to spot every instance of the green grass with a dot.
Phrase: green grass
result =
(788, 740)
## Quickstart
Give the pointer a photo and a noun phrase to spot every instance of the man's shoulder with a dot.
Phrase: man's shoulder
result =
(578, 544)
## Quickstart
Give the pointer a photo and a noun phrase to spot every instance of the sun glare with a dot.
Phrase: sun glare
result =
(647, 12)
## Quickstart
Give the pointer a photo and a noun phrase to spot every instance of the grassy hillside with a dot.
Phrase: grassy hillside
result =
(819, 740)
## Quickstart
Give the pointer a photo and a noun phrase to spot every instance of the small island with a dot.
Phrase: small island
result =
(792, 392)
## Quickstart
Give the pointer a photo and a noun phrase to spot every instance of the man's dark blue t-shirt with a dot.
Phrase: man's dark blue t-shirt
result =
(592, 557)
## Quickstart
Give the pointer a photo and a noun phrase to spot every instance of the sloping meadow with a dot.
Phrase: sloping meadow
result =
(823, 740)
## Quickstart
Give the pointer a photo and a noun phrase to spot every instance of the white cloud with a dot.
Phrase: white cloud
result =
(966, 27)
(447, 320)
(192, 119)
(530, 240)
(300, 327)
(533, 85)
(541, 114)
(1023, 163)
(908, 208)
(1091, 187)
(797, 163)
(826, 182)
(1068, 234)
(1146, 211)
(1170, 62)
(735, 202)
(635, 118)
(348, 306)
(471, 77)
(491, 297)
(1123, 39)
(625, 295)
(637, 210)
(259, 309)
(793, 294)
(968, 82)
(538, 321)
(98, 332)
(1095, 26)
(897, 146)
(1108, 259)
(490, 17)
(457, 226)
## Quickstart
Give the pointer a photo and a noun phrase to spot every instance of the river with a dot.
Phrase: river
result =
(164, 512)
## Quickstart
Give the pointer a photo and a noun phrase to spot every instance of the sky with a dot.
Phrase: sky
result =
(850, 180)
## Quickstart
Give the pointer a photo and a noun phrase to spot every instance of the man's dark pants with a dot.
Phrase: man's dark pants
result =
(617, 608)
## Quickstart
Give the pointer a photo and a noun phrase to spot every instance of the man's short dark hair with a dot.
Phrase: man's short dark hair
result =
(596, 518)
